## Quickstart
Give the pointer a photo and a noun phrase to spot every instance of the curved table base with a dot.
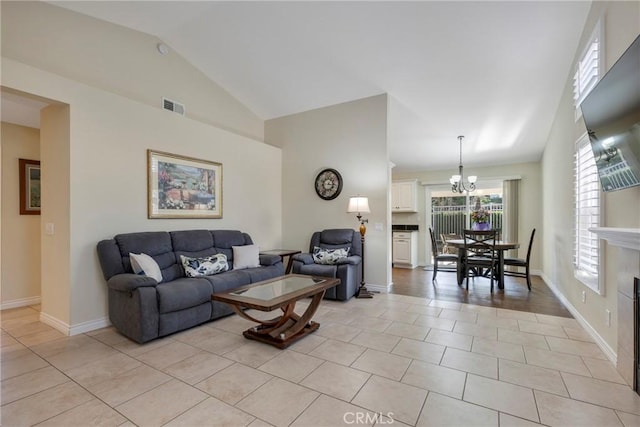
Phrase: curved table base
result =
(284, 330)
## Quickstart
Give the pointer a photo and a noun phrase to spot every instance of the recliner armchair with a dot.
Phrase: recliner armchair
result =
(348, 269)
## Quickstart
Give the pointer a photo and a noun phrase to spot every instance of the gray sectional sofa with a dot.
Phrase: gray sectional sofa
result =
(143, 309)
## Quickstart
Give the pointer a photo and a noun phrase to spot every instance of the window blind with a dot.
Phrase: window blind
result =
(588, 69)
(587, 214)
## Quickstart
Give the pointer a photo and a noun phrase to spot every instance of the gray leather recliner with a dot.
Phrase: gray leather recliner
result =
(348, 270)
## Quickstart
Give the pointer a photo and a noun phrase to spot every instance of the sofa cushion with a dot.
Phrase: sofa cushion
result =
(157, 244)
(265, 272)
(192, 241)
(228, 238)
(228, 280)
(183, 293)
(318, 270)
(224, 240)
(247, 256)
(144, 264)
(194, 267)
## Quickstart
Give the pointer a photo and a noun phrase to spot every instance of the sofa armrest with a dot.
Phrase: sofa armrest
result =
(353, 260)
(303, 258)
(128, 282)
(268, 259)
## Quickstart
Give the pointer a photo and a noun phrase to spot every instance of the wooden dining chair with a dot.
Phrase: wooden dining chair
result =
(519, 262)
(480, 256)
(446, 248)
(439, 257)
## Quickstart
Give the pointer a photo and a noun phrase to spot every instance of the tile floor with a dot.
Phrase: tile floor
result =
(394, 359)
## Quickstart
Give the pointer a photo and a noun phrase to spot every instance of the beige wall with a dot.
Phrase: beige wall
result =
(530, 206)
(350, 138)
(117, 60)
(106, 83)
(57, 288)
(622, 208)
(20, 262)
(104, 185)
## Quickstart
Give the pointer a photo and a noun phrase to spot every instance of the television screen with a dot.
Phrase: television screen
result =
(611, 113)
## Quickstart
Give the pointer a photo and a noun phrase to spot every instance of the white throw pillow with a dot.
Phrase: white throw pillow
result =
(246, 256)
(144, 264)
(206, 266)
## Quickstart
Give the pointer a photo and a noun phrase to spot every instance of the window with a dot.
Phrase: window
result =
(587, 214)
(588, 69)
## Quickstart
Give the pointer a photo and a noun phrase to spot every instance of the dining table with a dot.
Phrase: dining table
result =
(500, 247)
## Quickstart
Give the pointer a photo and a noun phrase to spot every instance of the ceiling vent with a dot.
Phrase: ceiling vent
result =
(170, 105)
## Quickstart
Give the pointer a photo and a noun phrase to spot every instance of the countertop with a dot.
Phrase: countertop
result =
(404, 227)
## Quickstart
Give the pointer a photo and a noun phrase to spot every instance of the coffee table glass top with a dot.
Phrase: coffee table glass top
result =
(278, 288)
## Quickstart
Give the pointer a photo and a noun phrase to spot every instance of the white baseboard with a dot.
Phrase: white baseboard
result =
(379, 288)
(611, 354)
(69, 330)
(22, 302)
(92, 325)
(54, 323)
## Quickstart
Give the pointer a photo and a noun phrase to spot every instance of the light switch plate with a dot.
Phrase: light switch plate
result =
(49, 228)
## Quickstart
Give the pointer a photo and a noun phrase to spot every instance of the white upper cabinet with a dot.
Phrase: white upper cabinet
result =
(404, 196)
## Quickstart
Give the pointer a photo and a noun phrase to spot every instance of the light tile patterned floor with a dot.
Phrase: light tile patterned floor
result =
(390, 360)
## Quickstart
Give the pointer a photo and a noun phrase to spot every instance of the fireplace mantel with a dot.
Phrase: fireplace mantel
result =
(624, 237)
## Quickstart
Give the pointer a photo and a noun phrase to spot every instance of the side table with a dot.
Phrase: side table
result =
(283, 253)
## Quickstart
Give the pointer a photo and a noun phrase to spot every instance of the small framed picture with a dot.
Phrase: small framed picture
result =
(183, 187)
(29, 187)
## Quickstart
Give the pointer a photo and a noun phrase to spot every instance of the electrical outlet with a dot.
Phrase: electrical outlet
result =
(584, 297)
(608, 317)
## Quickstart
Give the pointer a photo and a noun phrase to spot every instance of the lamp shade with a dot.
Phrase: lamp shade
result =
(358, 205)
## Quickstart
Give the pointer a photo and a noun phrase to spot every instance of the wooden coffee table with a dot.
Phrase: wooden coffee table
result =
(280, 293)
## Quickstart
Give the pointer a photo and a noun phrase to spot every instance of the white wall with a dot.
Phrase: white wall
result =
(107, 184)
(118, 60)
(20, 262)
(350, 138)
(530, 207)
(622, 208)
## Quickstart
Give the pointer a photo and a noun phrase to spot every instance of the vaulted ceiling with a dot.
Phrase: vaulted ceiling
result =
(492, 71)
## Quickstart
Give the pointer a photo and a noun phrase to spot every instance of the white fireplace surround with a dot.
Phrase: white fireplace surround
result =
(628, 240)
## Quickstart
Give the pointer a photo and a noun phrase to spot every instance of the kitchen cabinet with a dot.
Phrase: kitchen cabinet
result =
(404, 196)
(405, 249)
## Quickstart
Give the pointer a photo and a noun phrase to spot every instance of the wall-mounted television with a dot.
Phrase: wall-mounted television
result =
(611, 113)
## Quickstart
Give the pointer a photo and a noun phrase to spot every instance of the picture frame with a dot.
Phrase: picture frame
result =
(29, 182)
(183, 187)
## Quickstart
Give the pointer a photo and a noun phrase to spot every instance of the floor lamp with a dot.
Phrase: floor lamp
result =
(360, 205)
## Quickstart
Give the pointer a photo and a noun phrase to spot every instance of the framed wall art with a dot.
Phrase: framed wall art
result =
(29, 187)
(183, 187)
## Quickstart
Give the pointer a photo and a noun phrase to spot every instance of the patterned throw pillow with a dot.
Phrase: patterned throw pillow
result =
(329, 256)
(207, 266)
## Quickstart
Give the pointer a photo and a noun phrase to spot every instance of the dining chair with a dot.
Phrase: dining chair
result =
(446, 248)
(439, 257)
(519, 262)
(480, 254)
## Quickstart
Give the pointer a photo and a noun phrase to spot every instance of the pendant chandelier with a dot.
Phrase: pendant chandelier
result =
(457, 181)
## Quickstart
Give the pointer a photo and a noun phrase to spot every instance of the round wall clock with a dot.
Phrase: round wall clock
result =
(328, 184)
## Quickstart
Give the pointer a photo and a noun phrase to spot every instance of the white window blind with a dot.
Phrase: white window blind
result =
(588, 69)
(587, 215)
